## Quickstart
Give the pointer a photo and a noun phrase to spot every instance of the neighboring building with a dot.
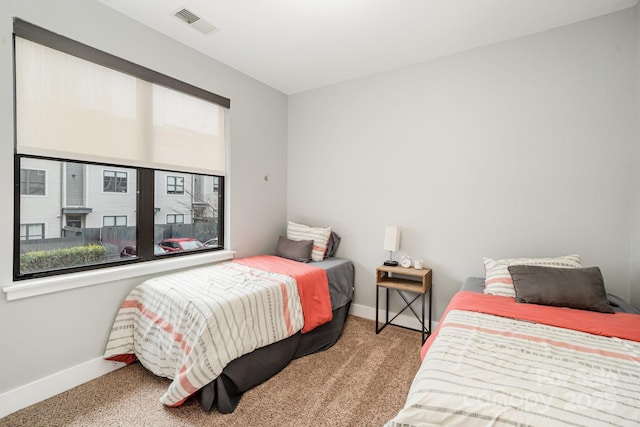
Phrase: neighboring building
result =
(183, 198)
(40, 195)
(60, 199)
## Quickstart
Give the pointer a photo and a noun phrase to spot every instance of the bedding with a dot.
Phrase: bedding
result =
(319, 235)
(312, 286)
(297, 250)
(476, 284)
(498, 280)
(333, 244)
(493, 361)
(190, 325)
(581, 288)
(251, 369)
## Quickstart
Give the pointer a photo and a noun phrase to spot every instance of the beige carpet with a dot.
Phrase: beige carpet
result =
(361, 381)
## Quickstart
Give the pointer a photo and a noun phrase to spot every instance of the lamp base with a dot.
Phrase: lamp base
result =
(390, 263)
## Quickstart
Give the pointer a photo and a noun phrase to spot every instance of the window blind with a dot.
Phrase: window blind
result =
(72, 108)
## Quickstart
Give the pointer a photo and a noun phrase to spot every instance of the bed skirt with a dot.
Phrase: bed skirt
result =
(261, 364)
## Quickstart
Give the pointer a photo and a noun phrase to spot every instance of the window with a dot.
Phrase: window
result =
(99, 231)
(143, 128)
(114, 221)
(31, 231)
(175, 185)
(32, 182)
(74, 221)
(114, 182)
(195, 214)
(175, 219)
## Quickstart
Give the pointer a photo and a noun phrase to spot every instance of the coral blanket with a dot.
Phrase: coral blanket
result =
(313, 286)
(619, 325)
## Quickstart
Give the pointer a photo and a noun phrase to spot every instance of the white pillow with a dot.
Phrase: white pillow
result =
(320, 237)
(497, 280)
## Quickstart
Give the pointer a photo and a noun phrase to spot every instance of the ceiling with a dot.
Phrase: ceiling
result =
(298, 45)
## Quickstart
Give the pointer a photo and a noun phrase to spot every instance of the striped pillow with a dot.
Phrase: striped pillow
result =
(497, 280)
(320, 237)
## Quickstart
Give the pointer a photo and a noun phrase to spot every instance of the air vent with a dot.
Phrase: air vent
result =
(195, 21)
(187, 16)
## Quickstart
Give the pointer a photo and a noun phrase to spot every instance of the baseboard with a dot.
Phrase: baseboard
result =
(44, 388)
(406, 320)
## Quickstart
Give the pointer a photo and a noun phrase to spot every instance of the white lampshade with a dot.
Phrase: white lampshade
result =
(391, 238)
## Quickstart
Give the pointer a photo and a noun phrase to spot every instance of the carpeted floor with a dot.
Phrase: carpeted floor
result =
(362, 380)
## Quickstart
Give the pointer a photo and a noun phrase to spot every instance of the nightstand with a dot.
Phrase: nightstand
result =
(404, 280)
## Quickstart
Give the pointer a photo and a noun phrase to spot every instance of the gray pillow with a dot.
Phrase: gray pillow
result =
(581, 288)
(332, 247)
(297, 250)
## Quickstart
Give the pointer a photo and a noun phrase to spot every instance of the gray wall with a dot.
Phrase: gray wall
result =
(522, 148)
(47, 334)
(635, 218)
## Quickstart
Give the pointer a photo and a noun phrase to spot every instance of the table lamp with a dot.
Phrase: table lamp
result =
(391, 243)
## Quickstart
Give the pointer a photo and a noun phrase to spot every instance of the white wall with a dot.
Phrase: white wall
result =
(522, 148)
(47, 334)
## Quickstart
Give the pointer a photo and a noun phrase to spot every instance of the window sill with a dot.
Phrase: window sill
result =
(63, 282)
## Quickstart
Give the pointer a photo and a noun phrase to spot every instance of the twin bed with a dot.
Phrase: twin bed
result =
(222, 329)
(535, 342)
(530, 358)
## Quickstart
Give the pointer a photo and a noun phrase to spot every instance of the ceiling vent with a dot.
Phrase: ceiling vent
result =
(193, 20)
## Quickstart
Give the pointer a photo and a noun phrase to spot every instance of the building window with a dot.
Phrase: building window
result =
(175, 185)
(32, 182)
(175, 219)
(114, 182)
(74, 221)
(114, 221)
(31, 231)
(136, 118)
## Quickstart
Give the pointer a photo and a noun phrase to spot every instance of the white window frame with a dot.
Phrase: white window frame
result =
(63, 282)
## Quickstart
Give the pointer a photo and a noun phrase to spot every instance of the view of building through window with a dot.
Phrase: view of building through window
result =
(76, 214)
(186, 207)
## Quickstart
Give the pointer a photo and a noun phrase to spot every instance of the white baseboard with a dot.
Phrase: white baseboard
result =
(44, 388)
(404, 319)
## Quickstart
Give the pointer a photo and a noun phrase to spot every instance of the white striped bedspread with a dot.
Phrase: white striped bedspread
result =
(486, 370)
(187, 326)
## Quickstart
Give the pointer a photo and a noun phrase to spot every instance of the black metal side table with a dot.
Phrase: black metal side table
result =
(404, 280)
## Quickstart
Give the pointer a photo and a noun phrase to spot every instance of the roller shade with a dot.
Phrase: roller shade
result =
(72, 108)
